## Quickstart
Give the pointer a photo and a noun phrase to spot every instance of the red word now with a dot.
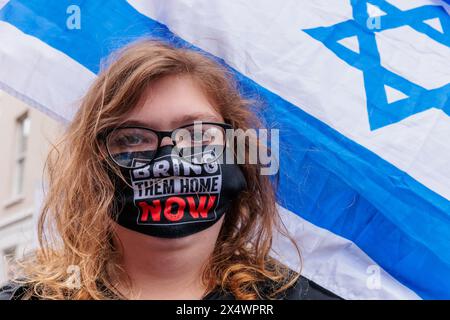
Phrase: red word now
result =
(154, 210)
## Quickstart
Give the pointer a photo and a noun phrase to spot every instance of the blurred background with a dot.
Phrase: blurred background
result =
(27, 137)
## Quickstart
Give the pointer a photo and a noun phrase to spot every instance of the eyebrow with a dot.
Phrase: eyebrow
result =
(183, 120)
(188, 118)
(136, 123)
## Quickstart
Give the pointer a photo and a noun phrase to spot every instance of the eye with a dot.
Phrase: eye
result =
(209, 135)
(200, 135)
(213, 134)
(195, 135)
(131, 140)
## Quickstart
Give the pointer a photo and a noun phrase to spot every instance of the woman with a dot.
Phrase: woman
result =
(131, 214)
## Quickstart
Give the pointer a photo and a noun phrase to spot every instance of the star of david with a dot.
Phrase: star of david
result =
(376, 77)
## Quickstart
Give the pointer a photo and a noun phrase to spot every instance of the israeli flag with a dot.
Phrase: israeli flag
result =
(360, 90)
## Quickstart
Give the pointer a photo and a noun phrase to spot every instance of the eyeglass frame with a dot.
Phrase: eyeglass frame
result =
(161, 134)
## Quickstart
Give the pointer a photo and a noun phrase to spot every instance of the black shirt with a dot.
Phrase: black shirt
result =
(303, 289)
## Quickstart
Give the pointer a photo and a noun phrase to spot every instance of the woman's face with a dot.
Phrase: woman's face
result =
(167, 104)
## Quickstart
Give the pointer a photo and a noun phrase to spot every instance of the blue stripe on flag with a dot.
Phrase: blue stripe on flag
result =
(46, 20)
(327, 178)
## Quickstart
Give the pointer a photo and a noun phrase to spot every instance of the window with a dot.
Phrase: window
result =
(23, 131)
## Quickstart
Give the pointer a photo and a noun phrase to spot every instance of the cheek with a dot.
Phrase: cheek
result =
(205, 240)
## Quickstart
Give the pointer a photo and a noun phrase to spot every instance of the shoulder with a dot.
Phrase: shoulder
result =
(12, 291)
(305, 289)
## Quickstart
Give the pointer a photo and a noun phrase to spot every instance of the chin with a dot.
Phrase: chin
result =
(130, 238)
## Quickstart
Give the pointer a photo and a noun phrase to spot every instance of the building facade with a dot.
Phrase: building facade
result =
(27, 135)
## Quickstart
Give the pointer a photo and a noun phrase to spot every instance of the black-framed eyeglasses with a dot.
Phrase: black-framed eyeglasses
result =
(135, 146)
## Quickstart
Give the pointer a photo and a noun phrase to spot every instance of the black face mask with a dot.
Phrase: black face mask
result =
(172, 197)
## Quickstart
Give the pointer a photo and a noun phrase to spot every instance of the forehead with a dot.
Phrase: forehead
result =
(173, 101)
